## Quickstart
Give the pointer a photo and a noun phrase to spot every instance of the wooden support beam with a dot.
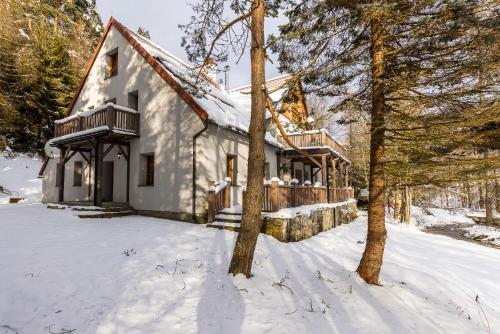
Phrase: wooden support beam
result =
(70, 155)
(122, 151)
(61, 171)
(324, 170)
(84, 157)
(110, 147)
(98, 173)
(128, 171)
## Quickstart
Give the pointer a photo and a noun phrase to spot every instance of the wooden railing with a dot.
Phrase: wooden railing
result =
(219, 197)
(277, 197)
(110, 116)
(318, 138)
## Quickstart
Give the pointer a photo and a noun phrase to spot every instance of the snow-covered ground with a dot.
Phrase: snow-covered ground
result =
(143, 275)
(484, 233)
(18, 176)
(146, 275)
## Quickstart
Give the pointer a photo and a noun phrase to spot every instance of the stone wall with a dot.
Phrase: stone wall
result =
(304, 226)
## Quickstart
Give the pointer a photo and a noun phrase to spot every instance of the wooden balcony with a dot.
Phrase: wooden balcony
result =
(109, 119)
(314, 140)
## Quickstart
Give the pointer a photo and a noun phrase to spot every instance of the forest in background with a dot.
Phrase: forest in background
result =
(44, 50)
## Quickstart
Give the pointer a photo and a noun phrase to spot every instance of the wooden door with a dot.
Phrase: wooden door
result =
(107, 181)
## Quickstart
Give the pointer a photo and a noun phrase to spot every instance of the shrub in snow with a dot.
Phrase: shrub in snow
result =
(317, 184)
(307, 183)
(294, 181)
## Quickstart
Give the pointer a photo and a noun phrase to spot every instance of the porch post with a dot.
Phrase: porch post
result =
(334, 179)
(324, 171)
(62, 167)
(128, 173)
(98, 174)
(346, 176)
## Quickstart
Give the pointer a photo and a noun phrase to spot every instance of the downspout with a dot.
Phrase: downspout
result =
(193, 204)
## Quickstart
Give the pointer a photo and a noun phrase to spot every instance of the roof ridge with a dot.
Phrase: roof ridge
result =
(159, 48)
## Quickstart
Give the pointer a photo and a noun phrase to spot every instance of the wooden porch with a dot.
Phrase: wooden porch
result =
(87, 134)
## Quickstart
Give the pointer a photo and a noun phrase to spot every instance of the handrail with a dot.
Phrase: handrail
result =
(114, 117)
(277, 197)
(314, 139)
(219, 197)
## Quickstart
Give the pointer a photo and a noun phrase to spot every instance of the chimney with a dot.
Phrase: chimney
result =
(226, 78)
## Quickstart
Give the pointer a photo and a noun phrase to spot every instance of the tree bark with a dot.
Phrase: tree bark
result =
(488, 199)
(407, 200)
(241, 261)
(497, 195)
(397, 204)
(371, 261)
(481, 195)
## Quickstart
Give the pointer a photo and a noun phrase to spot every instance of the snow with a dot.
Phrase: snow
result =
(18, 175)
(226, 109)
(93, 111)
(146, 275)
(437, 216)
(486, 233)
(84, 132)
(304, 209)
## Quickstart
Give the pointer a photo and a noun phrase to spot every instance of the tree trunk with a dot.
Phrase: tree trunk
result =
(497, 196)
(241, 262)
(488, 199)
(397, 204)
(371, 261)
(407, 200)
(469, 197)
(481, 195)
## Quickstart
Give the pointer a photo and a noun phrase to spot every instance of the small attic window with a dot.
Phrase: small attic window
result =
(112, 63)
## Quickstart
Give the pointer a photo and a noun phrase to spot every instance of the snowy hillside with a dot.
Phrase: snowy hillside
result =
(145, 275)
(19, 178)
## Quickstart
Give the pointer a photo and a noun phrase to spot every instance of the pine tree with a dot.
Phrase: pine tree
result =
(210, 34)
(412, 66)
(45, 47)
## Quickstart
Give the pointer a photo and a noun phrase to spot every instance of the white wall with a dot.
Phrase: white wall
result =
(212, 149)
(167, 127)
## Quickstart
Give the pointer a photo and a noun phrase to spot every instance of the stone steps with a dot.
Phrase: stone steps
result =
(107, 214)
(228, 226)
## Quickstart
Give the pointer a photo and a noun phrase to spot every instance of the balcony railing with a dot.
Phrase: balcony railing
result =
(116, 118)
(314, 139)
(277, 197)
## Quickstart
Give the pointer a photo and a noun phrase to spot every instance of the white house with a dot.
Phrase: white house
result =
(149, 130)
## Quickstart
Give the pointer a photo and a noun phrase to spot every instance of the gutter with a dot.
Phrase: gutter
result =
(193, 203)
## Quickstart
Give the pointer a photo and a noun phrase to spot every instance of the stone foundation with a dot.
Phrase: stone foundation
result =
(304, 226)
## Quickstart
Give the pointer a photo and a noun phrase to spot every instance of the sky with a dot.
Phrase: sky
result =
(162, 17)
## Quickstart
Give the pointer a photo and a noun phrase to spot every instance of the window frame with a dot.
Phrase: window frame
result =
(133, 94)
(111, 63)
(232, 160)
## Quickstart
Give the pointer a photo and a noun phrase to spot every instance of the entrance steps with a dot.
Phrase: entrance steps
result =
(227, 219)
(87, 210)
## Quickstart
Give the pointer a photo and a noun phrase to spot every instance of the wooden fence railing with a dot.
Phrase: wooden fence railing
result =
(114, 118)
(313, 139)
(277, 197)
(219, 197)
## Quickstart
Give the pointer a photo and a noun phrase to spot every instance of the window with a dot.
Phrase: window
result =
(77, 173)
(133, 100)
(148, 169)
(267, 171)
(58, 175)
(112, 63)
(232, 170)
(113, 100)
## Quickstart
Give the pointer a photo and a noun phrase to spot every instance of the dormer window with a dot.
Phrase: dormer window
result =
(112, 63)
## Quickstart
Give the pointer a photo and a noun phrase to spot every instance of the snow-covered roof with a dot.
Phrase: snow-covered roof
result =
(226, 109)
